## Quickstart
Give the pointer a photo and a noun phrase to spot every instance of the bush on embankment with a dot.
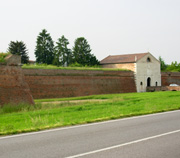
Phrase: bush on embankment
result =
(3, 56)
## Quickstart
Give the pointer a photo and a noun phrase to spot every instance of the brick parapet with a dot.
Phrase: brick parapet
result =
(59, 72)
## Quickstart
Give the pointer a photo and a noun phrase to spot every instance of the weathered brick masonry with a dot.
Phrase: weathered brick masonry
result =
(170, 77)
(167, 78)
(17, 85)
(13, 88)
(70, 83)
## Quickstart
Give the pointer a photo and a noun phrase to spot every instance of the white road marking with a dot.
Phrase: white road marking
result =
(85, 125)
(125, 144)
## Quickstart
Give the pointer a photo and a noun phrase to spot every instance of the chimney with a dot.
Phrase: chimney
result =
(135, 58)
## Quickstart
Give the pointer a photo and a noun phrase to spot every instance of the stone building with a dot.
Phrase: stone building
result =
(145, 66)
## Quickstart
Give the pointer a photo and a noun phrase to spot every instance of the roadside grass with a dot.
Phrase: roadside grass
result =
(44, 66)
(24, 118)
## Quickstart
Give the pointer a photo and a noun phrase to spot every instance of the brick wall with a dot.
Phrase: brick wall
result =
(66, 83)
(169, 78)
(70, 83)
(129, 66)
(13, 88)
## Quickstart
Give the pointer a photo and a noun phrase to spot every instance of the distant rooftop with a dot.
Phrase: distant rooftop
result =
(126, 58)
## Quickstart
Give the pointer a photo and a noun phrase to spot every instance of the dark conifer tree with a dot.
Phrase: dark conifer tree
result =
(82, 53)
(63, 55)
(44, 51)
(19, 48)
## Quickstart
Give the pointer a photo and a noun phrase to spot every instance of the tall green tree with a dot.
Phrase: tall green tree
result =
(44, 51)
(19, 48)
(163, 64)
(63, 54)
(82, 53)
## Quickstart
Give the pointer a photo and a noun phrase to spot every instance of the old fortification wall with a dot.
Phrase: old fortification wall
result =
(13, 88)
(170, 78)
(70, 83)
(167, 78)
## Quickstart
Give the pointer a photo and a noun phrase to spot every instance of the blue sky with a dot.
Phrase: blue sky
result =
(111, 27)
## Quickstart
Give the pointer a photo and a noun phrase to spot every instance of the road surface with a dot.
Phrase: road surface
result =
(149, 136)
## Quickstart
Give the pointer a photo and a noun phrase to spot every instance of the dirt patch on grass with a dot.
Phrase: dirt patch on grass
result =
(75, 101)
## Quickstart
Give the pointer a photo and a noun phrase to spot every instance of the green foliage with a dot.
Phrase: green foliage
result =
(86, 66)
(163, 64)
(82, 53)
(76, 64)
(43, 116)
(63, 54)
(19, 48)
(174, 67)
(44, 51)
(3, 56)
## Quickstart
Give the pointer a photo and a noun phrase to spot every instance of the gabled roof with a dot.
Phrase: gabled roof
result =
(127, 58)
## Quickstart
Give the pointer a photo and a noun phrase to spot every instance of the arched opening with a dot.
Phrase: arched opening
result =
(148, 82)
(156, 84)
(148, 59)
(141, 83)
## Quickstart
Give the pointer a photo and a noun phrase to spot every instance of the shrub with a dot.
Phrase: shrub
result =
(3, 56)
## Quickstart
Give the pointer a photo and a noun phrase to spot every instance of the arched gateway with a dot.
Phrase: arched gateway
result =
(148, 82)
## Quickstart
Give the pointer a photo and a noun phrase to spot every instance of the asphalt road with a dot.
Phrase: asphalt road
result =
(150, 136)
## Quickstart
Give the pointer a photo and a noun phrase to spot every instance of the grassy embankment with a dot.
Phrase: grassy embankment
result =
(44, 116)
(44, 66)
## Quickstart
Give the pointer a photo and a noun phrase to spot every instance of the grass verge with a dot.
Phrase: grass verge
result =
(43, 66)
(24, 118)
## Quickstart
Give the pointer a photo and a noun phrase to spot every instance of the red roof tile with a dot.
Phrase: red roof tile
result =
(127, 58)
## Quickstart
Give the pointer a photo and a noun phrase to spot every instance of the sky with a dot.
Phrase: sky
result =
(111, 27)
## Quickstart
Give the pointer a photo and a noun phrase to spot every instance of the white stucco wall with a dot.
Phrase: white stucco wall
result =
(145, 69)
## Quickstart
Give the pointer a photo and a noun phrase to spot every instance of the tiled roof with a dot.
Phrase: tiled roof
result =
(127, 58)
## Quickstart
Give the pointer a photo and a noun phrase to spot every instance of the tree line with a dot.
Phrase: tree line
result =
(174, 66)
(59, 54)
(46, 52)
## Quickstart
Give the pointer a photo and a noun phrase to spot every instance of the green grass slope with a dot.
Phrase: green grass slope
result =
(24, 118)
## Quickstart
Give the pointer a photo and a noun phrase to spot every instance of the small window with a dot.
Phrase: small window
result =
(141, 83)
(148, 59)
(156, 84)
